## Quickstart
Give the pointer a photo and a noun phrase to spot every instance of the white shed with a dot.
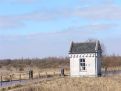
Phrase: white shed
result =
(85, 59)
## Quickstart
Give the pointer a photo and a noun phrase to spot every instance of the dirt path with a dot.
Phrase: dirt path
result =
(22, 82)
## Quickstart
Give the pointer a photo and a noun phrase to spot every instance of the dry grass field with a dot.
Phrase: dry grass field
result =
(76, 84)
(39, 66)
(52, 66)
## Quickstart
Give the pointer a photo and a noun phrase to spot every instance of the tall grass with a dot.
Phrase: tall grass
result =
(77, 84)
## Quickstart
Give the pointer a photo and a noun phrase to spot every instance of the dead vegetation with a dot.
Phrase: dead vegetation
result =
(53, 62)
(77, 84)
(63, 84)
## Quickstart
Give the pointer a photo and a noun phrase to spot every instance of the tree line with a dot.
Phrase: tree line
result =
(55, 62)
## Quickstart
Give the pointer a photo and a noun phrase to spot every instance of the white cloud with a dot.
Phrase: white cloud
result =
(95, 27)
(92, 1)
(7, 22)
(50, 44)
(103, 12)
(111, 12)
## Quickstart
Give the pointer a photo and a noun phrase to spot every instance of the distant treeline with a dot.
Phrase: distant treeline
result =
(55, 62)
(111, 61)
(50, 62)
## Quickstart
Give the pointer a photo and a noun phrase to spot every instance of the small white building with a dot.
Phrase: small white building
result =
(85, 59)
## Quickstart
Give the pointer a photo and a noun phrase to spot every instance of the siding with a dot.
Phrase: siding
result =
(90, 60)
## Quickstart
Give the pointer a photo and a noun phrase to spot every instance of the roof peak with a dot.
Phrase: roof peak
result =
(84, 42)
(84, 47)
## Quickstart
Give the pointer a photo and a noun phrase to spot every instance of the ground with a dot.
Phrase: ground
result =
(52, 81)
(67, 83)
(76, 84)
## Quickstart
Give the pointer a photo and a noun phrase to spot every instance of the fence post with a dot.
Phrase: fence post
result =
(31, 74)
(62, 72)
(1, 80)
(53, 73)
(38, 75)
(10, 78)
(20, 77)
(46, 74)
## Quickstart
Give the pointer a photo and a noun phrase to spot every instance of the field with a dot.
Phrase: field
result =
(39, 66)
(51, 66)
(76, 84)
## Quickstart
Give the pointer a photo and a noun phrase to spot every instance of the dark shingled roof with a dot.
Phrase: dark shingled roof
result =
(87, 47)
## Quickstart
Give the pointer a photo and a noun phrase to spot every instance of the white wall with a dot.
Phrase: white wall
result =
(74, 67)
(91, 68)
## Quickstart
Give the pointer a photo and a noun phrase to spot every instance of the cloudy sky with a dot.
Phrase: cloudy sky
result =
(43, 28)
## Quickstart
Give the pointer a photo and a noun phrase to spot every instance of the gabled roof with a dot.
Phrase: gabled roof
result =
(86, 47)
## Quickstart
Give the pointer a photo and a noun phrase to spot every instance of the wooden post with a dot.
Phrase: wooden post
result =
(46, 74)
(53, 73)
(1, 80)
(31, 74)
(10, 78)
(62, 72)
(38, 75)
(20, 77)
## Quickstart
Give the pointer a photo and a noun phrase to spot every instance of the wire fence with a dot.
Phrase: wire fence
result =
(8, 80)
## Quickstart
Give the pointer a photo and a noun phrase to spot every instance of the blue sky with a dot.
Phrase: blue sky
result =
(43, 28)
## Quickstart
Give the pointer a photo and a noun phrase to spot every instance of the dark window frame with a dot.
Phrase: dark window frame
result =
(82, 64)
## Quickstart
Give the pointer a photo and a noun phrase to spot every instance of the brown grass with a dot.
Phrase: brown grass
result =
(77, 84)
(52, 62)
(51, 65)
(16, 67)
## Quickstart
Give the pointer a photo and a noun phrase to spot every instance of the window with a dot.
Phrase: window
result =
(82, 65)
(70, 56)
